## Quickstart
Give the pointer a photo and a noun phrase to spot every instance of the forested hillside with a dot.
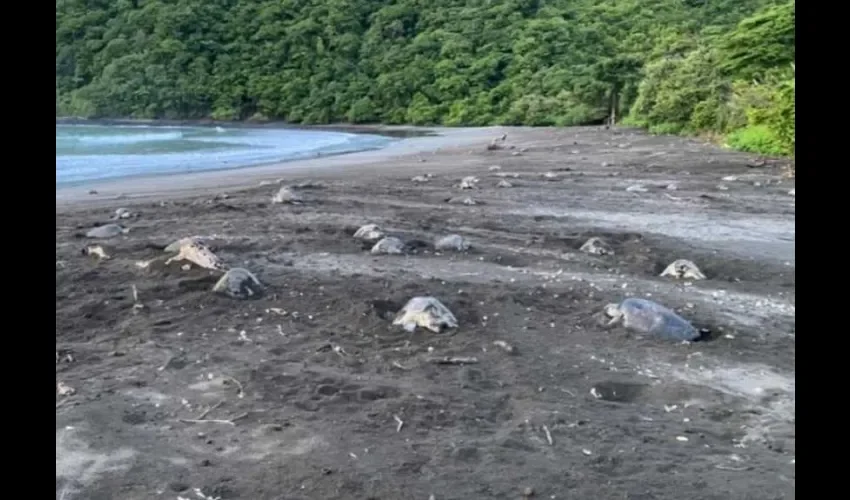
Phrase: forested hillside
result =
(722, 66)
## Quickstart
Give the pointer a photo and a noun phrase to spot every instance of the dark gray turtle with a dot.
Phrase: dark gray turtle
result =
(650, 318)
(425, 312)
(239, 283)
(683, 269)
(388, 246)
(107, 231)
(452, 242)
(597, 246)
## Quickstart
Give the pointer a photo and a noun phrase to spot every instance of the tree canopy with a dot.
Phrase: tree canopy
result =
(672, 65)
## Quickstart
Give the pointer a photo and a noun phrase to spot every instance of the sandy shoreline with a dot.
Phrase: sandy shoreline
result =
(299, 393)
(169, 186)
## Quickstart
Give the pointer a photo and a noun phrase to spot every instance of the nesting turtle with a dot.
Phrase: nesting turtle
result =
(494, 168)
(107, 231)
(122, 213)
(597, 246)
(469, 182)
(239, 283)
(419, 179)
(425, 312)
(494, 145)
(369, 233)
(648, 317)
(504, 184)
(462, 201)
(389, 246)
(96, 251)
(551, 176)
(452, 242)
(793, 192)
(636, 188)
(683, 269)
(287, 195)
(175, 246)
(199, 254)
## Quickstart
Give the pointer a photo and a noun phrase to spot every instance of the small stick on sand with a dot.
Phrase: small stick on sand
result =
(399, 366)
(208, 410)
(400, 423)
(135, 294)
(206, 421)
(241, 393)
(548, 435)
(167, 362)
(454, 360)
(733, 469)
(232, 421)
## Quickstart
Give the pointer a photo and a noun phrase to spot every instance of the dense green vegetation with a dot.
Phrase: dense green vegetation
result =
(683, 66)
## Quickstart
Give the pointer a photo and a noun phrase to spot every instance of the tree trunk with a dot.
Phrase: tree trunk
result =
(612, 107)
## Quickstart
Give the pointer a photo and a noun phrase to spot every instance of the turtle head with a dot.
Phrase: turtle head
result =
(613, 312)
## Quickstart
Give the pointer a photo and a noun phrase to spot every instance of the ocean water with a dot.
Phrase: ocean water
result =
(88, 153)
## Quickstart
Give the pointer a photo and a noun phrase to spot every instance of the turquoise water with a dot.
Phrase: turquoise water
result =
(88, 153)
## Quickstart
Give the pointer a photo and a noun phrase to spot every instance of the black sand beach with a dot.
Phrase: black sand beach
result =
(309, 392)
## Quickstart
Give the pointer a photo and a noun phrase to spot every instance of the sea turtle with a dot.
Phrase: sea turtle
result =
(494, 145)
(452, 242)
(389, 245)
(683, 269)
(370, 233)
(636, 188)
(420, 179)
(107, 231)
(122, 213)
(96, 251)
(462, 201)
(494, 168)
(648, 317)
(504, 184)
(199, 254)
(239, 283)
(175, 246)
(287, 195)
(596, 246)
(469, 182)
(425, 312)
(793, 192)
(551, 176)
